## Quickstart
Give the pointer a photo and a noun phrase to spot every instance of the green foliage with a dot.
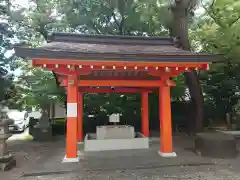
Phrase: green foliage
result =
(38, 88)
(6, 58)
(218, 32)
(112, 17)
(179, 91)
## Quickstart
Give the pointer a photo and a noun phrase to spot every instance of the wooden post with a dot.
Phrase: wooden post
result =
(71, 137)
(144, 114)
(166, 149)
(80, 116)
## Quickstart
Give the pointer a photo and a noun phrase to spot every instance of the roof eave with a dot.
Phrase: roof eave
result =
(47, 54)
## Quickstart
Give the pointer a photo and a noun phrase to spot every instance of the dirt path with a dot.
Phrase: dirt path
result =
(42, 161)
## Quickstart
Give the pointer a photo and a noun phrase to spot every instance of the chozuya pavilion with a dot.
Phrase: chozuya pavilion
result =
(91, 63)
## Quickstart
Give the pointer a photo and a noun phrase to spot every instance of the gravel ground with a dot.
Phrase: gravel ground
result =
(42, 161)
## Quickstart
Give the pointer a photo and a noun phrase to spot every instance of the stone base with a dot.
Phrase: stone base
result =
(4, 152)
(70, 160)
(7, 163)
(7, 157)
(167, 155)
(216, 145)
(91, 144)
(42, 134)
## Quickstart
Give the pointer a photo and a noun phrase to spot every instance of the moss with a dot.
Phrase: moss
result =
(28, 138)
(59, 121)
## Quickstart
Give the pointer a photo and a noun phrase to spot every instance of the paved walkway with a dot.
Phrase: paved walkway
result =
(42, 161)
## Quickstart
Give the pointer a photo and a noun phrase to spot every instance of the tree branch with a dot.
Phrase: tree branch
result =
(212, 14)
(121, 26)
(41, 29)
(212, 4)
(94, 27)
(115, 19)
(234, 21)
(121, 8)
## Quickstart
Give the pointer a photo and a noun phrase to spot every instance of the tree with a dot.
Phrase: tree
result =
(182, 10)
(6, 57)
(218, 32)
(127, 17)
(37, 88)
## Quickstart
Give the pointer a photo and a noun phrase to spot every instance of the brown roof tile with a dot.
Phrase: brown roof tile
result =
(122, 48)
(115, 49)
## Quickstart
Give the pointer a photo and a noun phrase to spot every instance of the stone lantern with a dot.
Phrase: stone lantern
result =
(6, 159)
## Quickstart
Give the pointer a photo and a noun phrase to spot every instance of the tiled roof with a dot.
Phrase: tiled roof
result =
(122, 48)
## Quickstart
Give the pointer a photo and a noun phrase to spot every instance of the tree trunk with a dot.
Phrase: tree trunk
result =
(180, 30)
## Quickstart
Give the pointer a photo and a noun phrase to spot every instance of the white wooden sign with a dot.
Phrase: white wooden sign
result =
(114, 118)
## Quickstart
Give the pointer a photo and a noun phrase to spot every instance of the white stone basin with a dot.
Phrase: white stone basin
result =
(115, 132)
(93, 144)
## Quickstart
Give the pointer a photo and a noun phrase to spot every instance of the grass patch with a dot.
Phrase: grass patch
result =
(28, 138)
(60, 121)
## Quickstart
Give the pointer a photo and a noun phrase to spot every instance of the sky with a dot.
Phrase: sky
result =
(23, 3)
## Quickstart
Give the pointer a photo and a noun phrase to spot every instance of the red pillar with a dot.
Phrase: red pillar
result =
(166, 149)
(80, 116)
(144, 114)
(71, 137)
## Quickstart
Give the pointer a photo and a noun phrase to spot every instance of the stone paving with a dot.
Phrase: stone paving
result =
(42, 161)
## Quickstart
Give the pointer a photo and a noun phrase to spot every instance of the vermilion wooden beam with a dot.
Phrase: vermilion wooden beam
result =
(144, 114)
(169, 72)
(119, 64)
(80, 117)
(71, 136)
(115, 90)
(124, 83)
(166, 148)
(65, 70)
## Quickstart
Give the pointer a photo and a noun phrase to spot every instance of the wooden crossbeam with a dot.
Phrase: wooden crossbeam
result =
(114, 90)
(121, 83)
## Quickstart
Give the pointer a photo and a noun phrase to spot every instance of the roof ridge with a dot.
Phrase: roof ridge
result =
(110, 39)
